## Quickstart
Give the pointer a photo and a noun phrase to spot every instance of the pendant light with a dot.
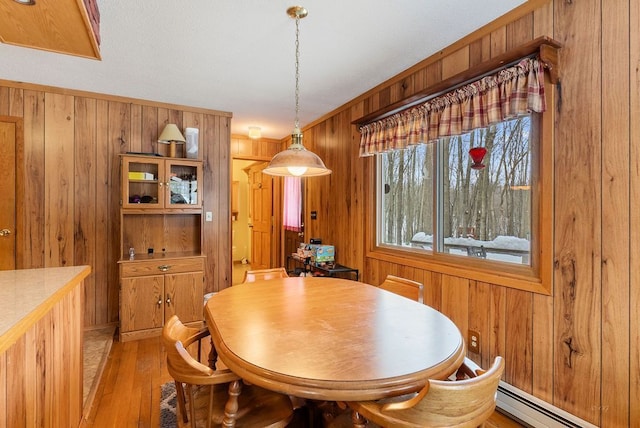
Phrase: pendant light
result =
(296, 160)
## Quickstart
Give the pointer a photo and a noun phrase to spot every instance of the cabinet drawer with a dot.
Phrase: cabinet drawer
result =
(155, 267)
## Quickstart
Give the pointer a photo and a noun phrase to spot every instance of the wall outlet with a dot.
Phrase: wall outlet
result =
(208, 216)
(474, 341)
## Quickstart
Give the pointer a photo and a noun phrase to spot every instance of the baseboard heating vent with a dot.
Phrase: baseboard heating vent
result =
(533, 411)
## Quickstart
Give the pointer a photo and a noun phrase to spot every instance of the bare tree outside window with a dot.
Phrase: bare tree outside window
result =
(484, 212)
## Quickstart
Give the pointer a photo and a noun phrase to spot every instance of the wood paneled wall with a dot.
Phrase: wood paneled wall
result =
(579, 348)
(72, 182)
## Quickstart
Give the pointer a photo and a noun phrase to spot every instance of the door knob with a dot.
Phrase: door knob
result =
(5, 232)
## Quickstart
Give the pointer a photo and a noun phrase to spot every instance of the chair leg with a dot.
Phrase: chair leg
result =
(192, 406)
(231, 407)
(358, 420)
(182, 408)
(210, 409)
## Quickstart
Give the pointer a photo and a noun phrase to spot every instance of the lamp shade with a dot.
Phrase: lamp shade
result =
(171, 133)
(296, 161)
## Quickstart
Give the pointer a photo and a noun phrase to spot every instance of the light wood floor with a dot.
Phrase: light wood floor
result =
(129, 392)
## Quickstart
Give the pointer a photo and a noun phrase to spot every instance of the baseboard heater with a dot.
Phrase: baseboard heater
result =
(534, 412)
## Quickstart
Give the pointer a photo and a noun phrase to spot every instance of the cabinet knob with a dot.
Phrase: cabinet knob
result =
(5, 232)
(159, 301)
(168, 299)
(164, 268)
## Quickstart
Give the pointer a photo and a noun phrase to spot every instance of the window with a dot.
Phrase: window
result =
(441, 206)
(438, 199)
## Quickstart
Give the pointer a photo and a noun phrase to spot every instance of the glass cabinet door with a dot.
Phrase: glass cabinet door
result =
(142, 183)
(182, 180)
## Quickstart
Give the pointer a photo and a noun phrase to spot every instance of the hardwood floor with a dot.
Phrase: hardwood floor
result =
(129, 392)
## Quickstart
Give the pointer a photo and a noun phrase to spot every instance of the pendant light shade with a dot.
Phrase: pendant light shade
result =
(296, 160)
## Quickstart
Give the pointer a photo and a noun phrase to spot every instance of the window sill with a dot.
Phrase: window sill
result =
(503, 274)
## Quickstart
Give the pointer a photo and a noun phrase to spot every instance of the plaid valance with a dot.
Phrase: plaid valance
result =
(511, 92)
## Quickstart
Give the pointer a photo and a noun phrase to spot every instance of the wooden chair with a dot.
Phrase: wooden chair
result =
(404, 287)
(462, 403)
(260, 274)
(209, 391)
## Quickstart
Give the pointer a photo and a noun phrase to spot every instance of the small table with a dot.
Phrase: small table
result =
(331, 338)
(329, 269)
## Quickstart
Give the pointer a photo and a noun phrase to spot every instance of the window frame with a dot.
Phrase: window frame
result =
(535, 278)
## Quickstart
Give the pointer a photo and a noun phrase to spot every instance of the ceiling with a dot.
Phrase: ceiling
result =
(239, 55)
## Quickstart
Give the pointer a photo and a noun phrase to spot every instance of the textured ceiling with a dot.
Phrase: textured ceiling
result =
(238, 55)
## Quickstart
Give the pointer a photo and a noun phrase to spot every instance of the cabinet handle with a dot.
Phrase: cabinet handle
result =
(160, 183)
(168, 299)
(5, 232)
(164, 268)
(159, 301)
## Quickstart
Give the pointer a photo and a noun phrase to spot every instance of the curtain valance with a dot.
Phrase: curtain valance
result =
(510, 92)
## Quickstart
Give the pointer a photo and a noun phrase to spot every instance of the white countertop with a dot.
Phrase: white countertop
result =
(27, 294)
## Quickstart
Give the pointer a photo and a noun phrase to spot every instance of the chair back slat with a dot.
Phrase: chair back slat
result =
(263, 274)
(404, 287)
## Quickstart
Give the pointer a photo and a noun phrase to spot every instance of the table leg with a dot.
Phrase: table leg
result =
(231, 408)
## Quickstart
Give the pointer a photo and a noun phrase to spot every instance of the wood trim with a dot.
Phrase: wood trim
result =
(107, 97)
(546, 46)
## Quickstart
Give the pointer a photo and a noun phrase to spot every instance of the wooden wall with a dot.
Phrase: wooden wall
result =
(579, 348)
(72, 182)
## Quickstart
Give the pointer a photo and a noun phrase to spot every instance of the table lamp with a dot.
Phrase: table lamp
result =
(171, 135)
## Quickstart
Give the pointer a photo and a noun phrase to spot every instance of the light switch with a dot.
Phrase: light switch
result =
(208, 216)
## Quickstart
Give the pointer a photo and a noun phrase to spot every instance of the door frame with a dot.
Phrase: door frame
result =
(277, 232)
(19, 189)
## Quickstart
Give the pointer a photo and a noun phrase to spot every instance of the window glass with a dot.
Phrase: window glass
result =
(468, 195)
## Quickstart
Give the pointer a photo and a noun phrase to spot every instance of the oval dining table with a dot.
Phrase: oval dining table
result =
(331, 339)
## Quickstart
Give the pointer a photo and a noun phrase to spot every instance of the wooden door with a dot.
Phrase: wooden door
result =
(261, 189)
(142, 304)
(8, 145)
(184, 296)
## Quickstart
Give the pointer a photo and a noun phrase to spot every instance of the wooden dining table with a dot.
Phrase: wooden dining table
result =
(331, 339)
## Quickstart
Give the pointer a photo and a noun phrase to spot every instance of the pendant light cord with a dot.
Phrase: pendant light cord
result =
(297, 94)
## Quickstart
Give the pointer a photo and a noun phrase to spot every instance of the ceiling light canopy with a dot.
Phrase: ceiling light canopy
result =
(296, 160)
(255, 132)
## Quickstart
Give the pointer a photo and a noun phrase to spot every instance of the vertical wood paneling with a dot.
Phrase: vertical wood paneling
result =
(455, 63)
(615, 214)
(34, 177)
(577, 311)
(543, 20)
(41, 373)
(519, 353)
(498, 333)
(102, 266)
(562, 348)
(118, 138)
(72, 181)
(455, 301)
(498, 42)
(4, 101)
(480, 320)
(149, 131)
(59, 197)
(543, 349)
(3, 383)
(519, 32)
(634, 206)
(85, 193)
(432, 289)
